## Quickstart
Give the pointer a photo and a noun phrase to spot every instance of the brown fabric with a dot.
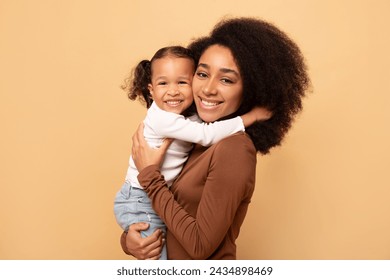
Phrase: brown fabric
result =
(207, 204)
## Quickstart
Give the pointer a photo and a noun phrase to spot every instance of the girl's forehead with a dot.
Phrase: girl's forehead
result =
(172, 59)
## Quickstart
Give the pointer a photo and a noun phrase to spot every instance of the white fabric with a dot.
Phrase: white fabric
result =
(160, 124)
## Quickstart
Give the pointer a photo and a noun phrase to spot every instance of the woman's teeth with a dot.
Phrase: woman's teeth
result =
(209, 103)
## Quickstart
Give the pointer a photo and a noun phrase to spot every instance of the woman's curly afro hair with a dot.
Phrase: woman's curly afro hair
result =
(273, 71)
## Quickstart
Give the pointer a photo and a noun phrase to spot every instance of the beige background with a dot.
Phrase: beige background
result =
(66, 126)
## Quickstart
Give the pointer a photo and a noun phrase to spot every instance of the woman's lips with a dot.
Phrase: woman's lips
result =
(209, 103)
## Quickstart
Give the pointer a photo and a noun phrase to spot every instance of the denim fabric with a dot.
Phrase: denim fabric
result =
(132, 205)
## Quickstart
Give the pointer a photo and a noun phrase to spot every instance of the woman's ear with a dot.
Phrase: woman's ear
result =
(150, 88)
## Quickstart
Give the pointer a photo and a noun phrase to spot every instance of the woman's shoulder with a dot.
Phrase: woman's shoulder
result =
(234, 152)
(237, 143)
(237, 138)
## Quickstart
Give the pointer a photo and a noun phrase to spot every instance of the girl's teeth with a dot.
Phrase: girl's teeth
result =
(173, 102)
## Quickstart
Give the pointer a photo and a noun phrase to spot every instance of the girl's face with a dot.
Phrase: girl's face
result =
(217, 84)
(171, 83)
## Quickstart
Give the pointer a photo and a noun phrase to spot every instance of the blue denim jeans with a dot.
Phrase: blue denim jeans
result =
(132, 205)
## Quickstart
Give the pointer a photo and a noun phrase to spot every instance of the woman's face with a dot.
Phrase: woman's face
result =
(217, 84)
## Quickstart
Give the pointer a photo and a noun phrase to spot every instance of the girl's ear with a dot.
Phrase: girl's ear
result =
(150, 88)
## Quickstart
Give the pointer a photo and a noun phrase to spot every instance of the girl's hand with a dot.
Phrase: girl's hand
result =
(255, 115)
(142, 248)
(143, 155)
(261, 113)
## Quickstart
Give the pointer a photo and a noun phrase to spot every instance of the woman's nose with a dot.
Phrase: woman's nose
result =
(209, 88)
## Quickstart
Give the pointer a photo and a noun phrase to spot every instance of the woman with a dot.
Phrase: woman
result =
(244, 63)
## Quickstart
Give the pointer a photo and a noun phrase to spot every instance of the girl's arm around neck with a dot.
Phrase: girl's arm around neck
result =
(171, 125)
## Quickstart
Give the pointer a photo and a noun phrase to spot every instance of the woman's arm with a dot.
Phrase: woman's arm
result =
(230, 183)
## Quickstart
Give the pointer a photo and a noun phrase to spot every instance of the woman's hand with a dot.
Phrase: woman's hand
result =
(143, 155)
(148, 248)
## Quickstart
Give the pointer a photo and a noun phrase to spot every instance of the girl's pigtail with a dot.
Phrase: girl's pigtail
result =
(137, 84)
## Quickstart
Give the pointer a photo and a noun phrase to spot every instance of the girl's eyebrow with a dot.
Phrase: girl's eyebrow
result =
(223, 70)
(162, 77)
(184, 77)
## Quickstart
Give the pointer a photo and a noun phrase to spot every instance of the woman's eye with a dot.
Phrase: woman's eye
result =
(226, 81)
(201, 74)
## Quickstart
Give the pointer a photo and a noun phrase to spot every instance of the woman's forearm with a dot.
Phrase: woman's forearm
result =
(231, 186)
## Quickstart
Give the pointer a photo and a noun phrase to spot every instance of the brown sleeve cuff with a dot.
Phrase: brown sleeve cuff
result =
(148, 174)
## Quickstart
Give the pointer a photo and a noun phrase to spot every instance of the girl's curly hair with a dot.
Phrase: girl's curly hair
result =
(273, 71)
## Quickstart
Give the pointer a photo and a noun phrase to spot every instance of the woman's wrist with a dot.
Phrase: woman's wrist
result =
(123, 243)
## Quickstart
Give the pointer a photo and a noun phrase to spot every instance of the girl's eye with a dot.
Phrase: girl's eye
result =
(162, 83)
(183, 83)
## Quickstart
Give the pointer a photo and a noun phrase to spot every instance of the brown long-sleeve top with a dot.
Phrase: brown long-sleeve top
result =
(206, 205)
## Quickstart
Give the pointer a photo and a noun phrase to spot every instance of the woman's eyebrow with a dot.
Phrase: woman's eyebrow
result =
(204, 65)
(223, 70)
(228, 70)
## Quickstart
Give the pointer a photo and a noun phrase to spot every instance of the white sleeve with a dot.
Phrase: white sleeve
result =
(171, 125)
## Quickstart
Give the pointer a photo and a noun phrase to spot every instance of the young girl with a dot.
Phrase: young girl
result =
(165, 85)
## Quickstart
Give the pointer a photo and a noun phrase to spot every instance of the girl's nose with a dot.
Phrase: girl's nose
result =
(173, 90)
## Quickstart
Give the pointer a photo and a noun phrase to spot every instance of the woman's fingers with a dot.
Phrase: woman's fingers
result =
(143, 248)
(140, 133)
(165, 145)
(136, 143)
(138, 227)
(143, 155)
(153, 245)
